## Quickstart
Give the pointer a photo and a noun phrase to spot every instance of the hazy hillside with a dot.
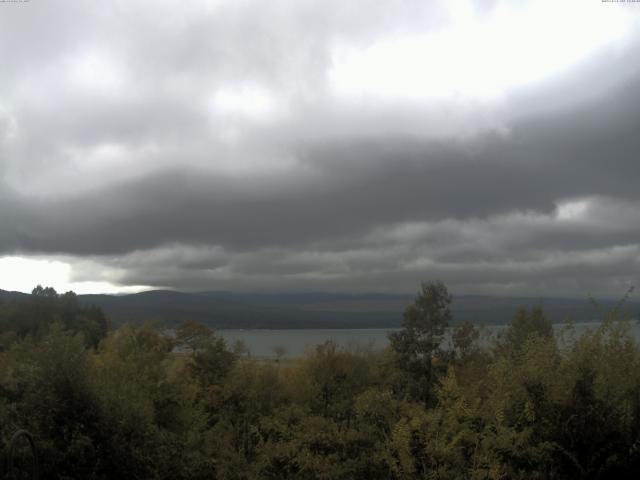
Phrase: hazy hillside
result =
(6, 295)
(231, 310)
(320, 310)
(316, 310)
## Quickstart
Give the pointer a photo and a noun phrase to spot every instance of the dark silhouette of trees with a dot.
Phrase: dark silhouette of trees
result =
(36, 314)
(418, 343)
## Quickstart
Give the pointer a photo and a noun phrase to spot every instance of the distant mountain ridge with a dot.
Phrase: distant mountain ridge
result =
(224, 310)
(12, 295)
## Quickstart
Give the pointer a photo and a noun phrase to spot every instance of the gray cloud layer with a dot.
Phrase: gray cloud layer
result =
(119, 154)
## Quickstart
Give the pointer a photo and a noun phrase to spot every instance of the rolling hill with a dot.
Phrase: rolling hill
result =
(225, 310)
(321, 310)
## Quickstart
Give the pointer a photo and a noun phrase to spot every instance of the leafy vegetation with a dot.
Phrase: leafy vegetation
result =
(139, 402)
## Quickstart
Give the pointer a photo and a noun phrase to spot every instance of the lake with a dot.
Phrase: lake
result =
(294, 342)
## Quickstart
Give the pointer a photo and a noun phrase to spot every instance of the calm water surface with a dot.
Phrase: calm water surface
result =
(292, 343)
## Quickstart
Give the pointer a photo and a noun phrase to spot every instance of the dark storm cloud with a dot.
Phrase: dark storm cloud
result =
(351, 187)
(135, 156)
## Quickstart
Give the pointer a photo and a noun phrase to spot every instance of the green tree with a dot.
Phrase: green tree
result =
(418, 342)
(524, 325)
(463, 337)
(193, 335)
(35, 315)
(47, 385)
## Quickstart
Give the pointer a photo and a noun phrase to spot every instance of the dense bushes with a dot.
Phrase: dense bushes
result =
(529, 404)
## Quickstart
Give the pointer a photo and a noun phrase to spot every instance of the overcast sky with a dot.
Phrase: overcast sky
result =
(320, 145)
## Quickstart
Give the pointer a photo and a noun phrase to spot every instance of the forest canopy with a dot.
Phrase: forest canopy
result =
(141, 402)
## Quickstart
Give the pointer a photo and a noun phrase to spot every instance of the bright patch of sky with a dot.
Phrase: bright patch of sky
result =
(20, 273)
(247, 101)
(480, 57)
(573, 210)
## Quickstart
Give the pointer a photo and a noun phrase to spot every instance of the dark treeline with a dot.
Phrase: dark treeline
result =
(127, 403)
